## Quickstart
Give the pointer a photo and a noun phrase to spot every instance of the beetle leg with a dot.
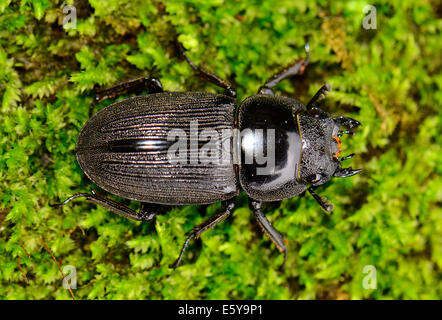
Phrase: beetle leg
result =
(146, 212)
(268, 229)
(227, 209)
(340, 133)
(207, 75)
(322, 92)
(346, 122)
(298, 67)
(151, 85)
(347, 157)
(323, 202)
(346, 172)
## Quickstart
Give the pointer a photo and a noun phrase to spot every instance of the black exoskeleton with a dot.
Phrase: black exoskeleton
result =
(181, 148)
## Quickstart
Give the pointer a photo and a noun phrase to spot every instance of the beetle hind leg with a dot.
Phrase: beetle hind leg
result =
(147, 210)
(227, 209)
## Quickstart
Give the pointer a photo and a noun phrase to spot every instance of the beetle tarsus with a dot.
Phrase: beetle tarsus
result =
(340, 133)
(307, 51)
(145, 214)
(186, 243)
(322, 92)
(228, 206)
(207, 75)
(59, 205)
(347, 157)
(281, 267)
(323, 202)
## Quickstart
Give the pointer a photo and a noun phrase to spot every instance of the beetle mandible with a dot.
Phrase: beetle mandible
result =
(125, 148)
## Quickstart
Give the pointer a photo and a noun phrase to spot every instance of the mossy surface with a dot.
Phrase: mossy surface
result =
(389, 216)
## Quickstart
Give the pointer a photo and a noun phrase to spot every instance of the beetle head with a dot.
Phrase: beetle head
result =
(321, 146)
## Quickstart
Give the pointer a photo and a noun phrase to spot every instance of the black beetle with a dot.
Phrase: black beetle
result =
(273, 147)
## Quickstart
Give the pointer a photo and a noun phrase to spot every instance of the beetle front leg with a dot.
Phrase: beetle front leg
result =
(268, 229)
(227, 209)
(209, 76)
(298, 67)
(151, 85)
(147, 210)
(323, 202)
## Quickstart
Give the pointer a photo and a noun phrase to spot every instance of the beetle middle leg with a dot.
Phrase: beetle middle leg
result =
(147, 211)
(268, 229)
(293, 69)
(151, 85)
(227, 208)
(207, 75)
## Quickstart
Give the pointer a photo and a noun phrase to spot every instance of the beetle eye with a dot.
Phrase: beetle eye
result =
(314, 178)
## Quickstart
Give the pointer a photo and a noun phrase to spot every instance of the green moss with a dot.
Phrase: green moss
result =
(389, 216)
